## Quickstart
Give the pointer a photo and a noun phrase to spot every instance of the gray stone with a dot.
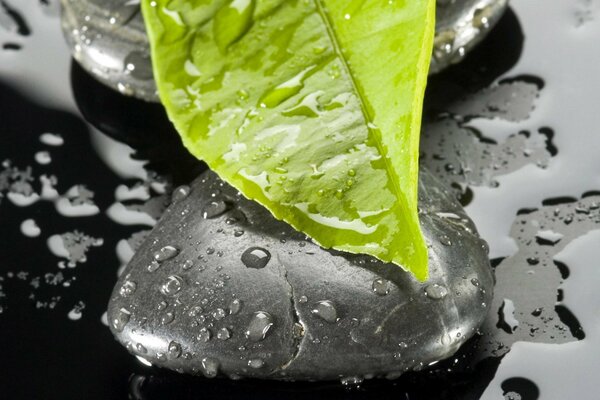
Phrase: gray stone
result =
(289, 309)
(108, 38)
(460, 26)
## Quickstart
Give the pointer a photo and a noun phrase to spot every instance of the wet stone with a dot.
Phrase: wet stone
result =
(109, 40)
(301, 309)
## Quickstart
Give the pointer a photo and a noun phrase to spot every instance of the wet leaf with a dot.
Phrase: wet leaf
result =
(312, 108)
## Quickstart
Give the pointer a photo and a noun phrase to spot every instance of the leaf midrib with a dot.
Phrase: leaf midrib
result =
(365, 113)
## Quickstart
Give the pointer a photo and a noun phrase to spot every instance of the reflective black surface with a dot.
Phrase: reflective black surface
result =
(45, 355)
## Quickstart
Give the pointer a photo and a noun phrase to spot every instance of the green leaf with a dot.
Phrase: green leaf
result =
(310, 107)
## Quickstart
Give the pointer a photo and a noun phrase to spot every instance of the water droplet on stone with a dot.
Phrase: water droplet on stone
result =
(381, 287)
(121, 319)
(256, 363)
(238, 233)
(325, 310)
(219, 314)
(259, 326)
(195, 311)
(223, 334)
(475, 282)
(128, 288)
(166, 253)
(187, 265)
(167, 318)
(352, 381)
(436, 292)
(204, 335)
(180, 193)
(138, 65)
(173, 285)
(140, 348)
(210, 367)
(153, 266)
(162, 305)
(214, 208)
(537, 312)
(445, 240)
(303, 299)
(256, 257)
(235, 306)
(174, 350)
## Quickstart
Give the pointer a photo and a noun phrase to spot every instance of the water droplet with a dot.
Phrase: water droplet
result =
(121, 319)
(128, 288)
(219, 314)
(445, 240)
(140, 348)
(259, 326)
(204, 335)
(232, 22)
(187, 265)
(325, 310)
(214, 208)
(256, 363)
(352, 381)
(223, 334)
(381, 287)
(210, 367)
(167, 318)
(256, 257)
(303, 299)
(162, 305)
(138, 65)
(533, 260)
(180, 193)
(235, 306)
(173, 285)
(436, 292)
(475, 282)
(153, 266)
(166, 253)
(174, 350)
(195, 311)
(238, 233)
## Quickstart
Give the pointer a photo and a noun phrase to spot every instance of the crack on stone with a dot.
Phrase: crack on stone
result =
(296, 320)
